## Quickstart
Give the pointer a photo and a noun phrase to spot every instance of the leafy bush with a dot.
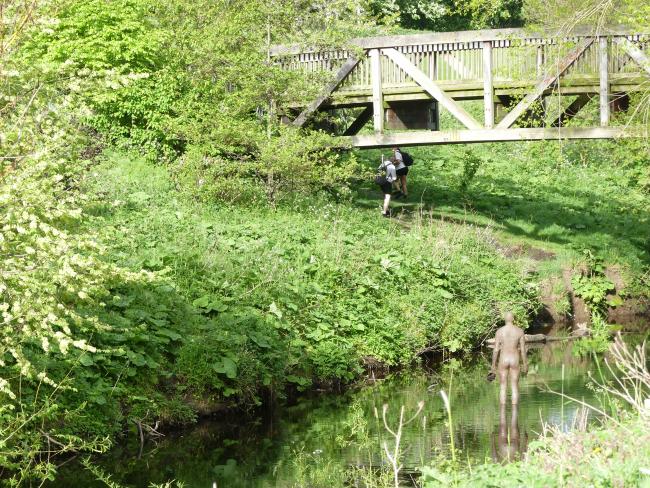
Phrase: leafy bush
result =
(325, 286)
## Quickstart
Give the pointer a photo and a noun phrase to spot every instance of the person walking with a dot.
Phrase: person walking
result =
(401, 170)
(386, 181)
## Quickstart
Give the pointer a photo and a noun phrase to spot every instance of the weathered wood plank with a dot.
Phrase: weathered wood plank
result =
(421, 138)
(360, 121)
(488, 88)
(604, 81)
(345, 70)
(432, 87)
(634, 52)
(544, 83)
(457, 37)
(457, 65)
(377, 95)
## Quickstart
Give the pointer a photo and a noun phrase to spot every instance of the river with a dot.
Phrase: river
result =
(321, 438)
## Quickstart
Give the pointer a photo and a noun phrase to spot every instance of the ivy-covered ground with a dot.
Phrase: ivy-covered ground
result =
(310, 290)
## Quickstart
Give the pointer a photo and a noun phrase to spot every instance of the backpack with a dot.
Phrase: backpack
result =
(407, 159)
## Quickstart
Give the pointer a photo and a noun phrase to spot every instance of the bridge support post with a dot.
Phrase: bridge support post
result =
(377, 96)
(488, 87)
(604, 81)
(541, 59)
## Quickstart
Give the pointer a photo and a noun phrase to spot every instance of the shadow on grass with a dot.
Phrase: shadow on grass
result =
(589, 220)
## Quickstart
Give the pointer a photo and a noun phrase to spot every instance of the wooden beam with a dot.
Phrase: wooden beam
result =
(458, 37)
(432, 88)
(488, 88)
(423, 138)
(541, 59)
(345, 70)
(546, 81)
(634, 52)
(572, 109)
(603, 70)
(377, 95)
(360, 121)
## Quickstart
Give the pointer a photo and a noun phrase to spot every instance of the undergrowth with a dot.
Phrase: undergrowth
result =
(301, 295)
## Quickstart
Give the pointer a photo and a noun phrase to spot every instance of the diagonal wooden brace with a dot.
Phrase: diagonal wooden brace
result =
(359, 122)
(432, 88)
(546, 80)
(573, 109)
(634, 52)
(345, 70)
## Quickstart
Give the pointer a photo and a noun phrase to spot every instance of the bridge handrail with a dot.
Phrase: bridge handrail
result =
(459, 37)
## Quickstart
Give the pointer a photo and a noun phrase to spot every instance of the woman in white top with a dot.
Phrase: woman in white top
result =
(402, 170)
(386, 182)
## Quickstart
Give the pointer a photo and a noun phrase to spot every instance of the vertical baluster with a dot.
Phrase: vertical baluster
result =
(488, 88)
(604, 82)
(377, 96)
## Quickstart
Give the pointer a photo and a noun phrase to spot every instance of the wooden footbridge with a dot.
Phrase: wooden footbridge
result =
(530, 85)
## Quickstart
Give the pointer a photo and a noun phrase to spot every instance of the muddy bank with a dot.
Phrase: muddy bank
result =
(561, 306)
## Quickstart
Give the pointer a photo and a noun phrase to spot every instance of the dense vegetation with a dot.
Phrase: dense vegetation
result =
(168, 249)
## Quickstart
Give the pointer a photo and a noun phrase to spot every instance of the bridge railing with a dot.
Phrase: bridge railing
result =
(452, 58)
(512, 70)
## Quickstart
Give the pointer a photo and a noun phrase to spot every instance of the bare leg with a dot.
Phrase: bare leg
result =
(503, 384)
(386, 202)
(514, 384)
(402, 180)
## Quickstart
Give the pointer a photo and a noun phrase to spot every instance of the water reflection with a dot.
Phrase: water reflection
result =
(507, 443)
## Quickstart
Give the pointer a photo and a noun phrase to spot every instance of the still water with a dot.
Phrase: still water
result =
(329, 432)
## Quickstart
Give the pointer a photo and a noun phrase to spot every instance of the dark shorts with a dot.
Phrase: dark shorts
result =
(403, 172)
(384, 184)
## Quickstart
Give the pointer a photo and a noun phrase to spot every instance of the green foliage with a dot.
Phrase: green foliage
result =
(591, 13)
(593, 286)
(593, 289)
(448, 15)
(181, 78)
(614, 455)
(599, 338)
(312, 302)
(87, 343)
(563, 305)
(471, 164)
(287, 165)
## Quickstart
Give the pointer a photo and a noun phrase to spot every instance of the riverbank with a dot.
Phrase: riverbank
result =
(186, 307)
(614, 453)
(325, 440)
(308, 293)
(560, 210)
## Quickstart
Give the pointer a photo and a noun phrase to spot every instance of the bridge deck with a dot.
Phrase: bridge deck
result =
(505, 68)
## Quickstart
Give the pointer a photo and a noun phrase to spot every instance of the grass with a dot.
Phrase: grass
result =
(559, 197)
(305, 293)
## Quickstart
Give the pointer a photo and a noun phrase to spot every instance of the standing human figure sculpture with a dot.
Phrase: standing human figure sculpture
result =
(509, 346)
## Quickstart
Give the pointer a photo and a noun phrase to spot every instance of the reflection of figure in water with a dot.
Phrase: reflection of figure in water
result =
(508, 346)
(508, 445)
